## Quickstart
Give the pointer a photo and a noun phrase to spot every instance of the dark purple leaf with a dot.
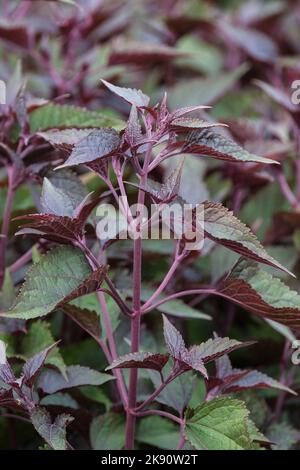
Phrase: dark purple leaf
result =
(33, 366)
(88, 320)
(98, 144)
(142, 360)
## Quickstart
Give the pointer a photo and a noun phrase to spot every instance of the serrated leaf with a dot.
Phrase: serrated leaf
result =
(53, 116)
(173, 339)
(251, 287)
(96, 145)
(53, 227)
(53, 433)
(188, 358)
(209, 143)
(131, 95)
(143, 360)
(221, 226)
(52, 381)
(133, 131)
(107, 432)
(220, 424)
(57, 276)
(184, 124)
(214, 348)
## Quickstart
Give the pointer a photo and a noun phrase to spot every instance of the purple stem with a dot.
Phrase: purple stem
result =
(19, 263)
(5, 221)
(165, 282)
(156, 392)
(285, 188)
(182, 436)
(165, 414)
(179, 294)
(136, 321)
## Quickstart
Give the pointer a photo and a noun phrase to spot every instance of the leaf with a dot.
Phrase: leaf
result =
(157, 432)
(52, 381)
(221, 226)
(258, 45)
(38, 338)
(57, 276)
(174, 340)
(255, 379)
(249, 286)
(53, 116)
(214, 348)
(203, 90)
(52, 227)
(55, 201)
(278, 95)
(131, 95)
(220, 424)
(68, 182)
(53, 433)
(178, 393)
(107, 432)
(133, 131)
(283, 435)
(143, 360)
(209, 143)
(189, 358)
(97, 144)
(33, 366)
(60, 399)
(184, 124)
(177, 308)
(87, 320)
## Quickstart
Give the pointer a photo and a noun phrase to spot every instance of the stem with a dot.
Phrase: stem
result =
(179, 294)
(166, 280)
(181, 441)
(112, 347)
(156, 392)
(285, 188)
(19, 263)
(5, 221)
(136, 321)
(165, 414)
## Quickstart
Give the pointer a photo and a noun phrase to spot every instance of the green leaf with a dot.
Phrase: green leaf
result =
(56, 115)
(203, 90)
(38, 338)
(107, 432)
(157, 432)
(59, 273)
(220, 424)
(53, 433)
(256, 290)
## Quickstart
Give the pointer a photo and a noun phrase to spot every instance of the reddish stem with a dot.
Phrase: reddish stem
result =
(5, 221)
